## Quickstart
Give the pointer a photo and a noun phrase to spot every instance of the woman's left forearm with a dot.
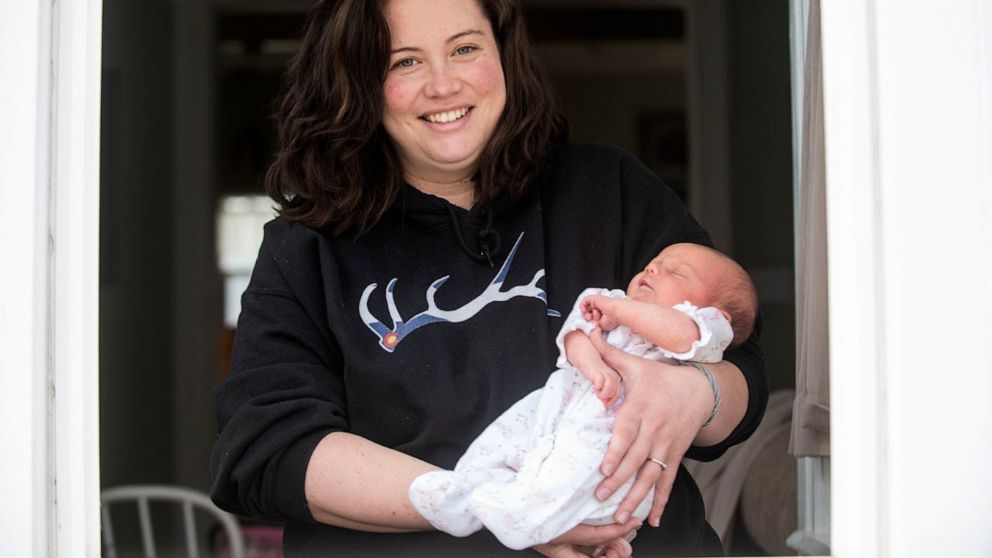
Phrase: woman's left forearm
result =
(733, 403)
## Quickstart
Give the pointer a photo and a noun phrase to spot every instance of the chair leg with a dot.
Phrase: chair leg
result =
(109, 543)
(147, 536)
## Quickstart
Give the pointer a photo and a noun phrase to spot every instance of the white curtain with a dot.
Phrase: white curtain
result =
(811, 412)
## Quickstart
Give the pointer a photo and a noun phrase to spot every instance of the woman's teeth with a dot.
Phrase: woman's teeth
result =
(444, 117)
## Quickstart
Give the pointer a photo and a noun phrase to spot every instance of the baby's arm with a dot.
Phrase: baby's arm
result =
(662, 326)
(584, 356)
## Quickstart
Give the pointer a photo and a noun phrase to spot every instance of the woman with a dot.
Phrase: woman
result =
(427, 246)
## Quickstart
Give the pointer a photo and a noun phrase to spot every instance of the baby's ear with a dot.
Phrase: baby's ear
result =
(726, 315)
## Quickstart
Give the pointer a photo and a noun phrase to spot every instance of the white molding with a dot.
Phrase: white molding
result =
(857, 376)
(49, 161)
(909, 194)
(24, 43)
(74, 281)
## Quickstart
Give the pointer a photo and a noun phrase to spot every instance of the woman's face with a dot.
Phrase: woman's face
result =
(444, 90)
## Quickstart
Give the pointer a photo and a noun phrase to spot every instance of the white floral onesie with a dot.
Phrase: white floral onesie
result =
(531, 475)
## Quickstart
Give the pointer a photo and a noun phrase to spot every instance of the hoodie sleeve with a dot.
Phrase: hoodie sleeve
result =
(284, 393)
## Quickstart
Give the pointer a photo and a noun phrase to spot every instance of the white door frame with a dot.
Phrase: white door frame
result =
(49, 178)
(908, 137)
(902, 151)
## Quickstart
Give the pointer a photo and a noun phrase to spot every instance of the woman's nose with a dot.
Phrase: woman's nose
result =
(443, 82)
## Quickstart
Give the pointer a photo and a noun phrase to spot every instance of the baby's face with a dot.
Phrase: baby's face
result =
(680, 272)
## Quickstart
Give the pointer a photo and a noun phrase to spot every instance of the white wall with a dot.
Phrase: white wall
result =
(22, 280)
(908, 114)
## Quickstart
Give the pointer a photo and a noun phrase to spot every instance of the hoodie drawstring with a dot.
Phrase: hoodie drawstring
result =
(489, 240)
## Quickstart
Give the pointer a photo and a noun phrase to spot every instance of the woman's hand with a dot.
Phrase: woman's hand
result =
(617, 548)
(582, 541)
(664, 407)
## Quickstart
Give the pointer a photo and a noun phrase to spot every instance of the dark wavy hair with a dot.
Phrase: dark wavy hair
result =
(335, 167)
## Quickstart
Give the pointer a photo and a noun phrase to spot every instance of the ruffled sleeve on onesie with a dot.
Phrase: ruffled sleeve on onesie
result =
(715, 334)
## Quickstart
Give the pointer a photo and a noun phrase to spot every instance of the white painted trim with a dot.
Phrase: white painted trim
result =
(49, 162)
(24, 32)
(908, 121)
(857, 387)
(74, 282)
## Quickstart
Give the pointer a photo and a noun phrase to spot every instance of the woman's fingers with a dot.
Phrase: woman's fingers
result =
(559, 551)
(649, 474)
(596, 535)
(630, 462)
(662, 490)
(625, 432)
(619, 548)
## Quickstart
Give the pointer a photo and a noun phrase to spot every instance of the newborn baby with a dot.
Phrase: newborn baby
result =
(531, 475)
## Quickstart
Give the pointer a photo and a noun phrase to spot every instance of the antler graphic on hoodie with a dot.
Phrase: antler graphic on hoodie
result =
(389, 338)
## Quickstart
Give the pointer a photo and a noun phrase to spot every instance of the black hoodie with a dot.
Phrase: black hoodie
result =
(408, 336)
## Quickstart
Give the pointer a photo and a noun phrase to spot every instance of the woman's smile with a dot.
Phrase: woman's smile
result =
(447, 116)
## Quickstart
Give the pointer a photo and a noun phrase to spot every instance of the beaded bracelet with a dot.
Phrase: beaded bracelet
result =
(714, 385)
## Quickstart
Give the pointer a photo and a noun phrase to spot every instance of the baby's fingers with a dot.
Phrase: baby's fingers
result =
(588, 310)
(598, 383)
(609, 392)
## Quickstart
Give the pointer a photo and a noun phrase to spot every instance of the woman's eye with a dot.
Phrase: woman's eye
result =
(464, 49)
(405, 63)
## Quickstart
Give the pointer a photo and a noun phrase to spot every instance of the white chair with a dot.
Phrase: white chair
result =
(189, 500)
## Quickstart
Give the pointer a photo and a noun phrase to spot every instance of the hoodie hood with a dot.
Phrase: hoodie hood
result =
(473, 227)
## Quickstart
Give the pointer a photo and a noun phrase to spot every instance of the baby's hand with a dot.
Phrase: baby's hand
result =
(598, 310)
(590, 313)
(606, 382)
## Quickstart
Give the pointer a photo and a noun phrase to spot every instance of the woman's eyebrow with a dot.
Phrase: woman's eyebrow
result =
(457, 36)
(450, 39)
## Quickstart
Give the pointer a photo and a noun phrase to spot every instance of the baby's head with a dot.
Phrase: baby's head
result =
(704, 277)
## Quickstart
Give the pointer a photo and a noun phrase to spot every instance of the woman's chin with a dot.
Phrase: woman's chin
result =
(458, 161)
